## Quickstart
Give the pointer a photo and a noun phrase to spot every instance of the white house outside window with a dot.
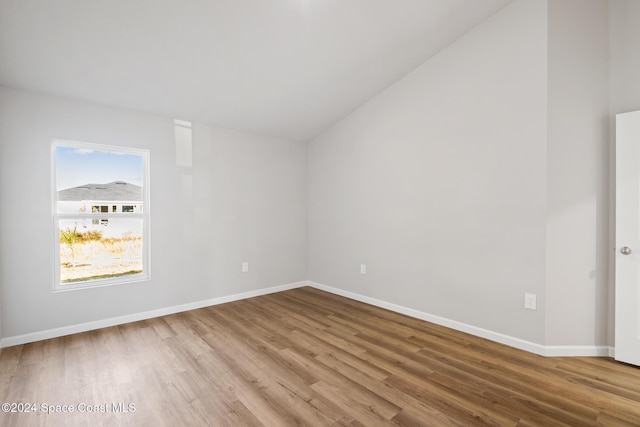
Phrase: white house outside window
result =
(101, 214)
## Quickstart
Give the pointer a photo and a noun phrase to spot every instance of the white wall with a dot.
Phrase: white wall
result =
(244, 199)
(439, 183)
(577, 174)
(625, 61)
(479, 176)
(624, 69)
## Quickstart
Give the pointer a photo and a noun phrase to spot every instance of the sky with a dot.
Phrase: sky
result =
(78, 166)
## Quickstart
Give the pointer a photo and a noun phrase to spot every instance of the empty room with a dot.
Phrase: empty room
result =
(319, 212)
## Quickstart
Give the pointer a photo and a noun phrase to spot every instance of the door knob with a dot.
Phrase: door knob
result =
(625, 250)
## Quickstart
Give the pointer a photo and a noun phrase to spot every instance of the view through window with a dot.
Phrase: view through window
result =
(101, 214)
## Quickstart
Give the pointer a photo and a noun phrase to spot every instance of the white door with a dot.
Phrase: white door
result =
(628, 238)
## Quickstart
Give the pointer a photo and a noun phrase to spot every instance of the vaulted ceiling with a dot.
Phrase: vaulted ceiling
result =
(284, 68)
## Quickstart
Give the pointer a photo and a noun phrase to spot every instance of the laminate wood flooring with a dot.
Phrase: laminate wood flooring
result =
(304, 357)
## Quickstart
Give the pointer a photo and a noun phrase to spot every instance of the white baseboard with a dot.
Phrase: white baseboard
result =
(578, 350)
(105, 323)
(556, 351)
(549, 351)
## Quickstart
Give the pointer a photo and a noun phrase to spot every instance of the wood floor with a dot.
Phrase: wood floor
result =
(305, 357)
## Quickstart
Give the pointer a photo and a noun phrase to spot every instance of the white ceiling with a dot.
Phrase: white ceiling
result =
(285, 68)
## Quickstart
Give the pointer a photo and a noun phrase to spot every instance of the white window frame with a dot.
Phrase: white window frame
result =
(145, 275)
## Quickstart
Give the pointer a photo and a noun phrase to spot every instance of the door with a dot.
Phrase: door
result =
(628, 238)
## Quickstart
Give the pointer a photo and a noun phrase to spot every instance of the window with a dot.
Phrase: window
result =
(101, 214)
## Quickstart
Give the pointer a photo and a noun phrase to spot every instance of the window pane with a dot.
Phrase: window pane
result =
(91, 180)
(100, 213)
(102, 249)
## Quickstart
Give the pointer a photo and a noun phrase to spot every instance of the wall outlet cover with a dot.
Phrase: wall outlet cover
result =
(530, 302)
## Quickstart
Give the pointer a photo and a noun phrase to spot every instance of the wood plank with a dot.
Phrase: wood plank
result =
(307, 357)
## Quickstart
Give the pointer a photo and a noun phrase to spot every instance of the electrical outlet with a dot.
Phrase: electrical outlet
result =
(245, 267)
(530, 301)
(363, 268)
